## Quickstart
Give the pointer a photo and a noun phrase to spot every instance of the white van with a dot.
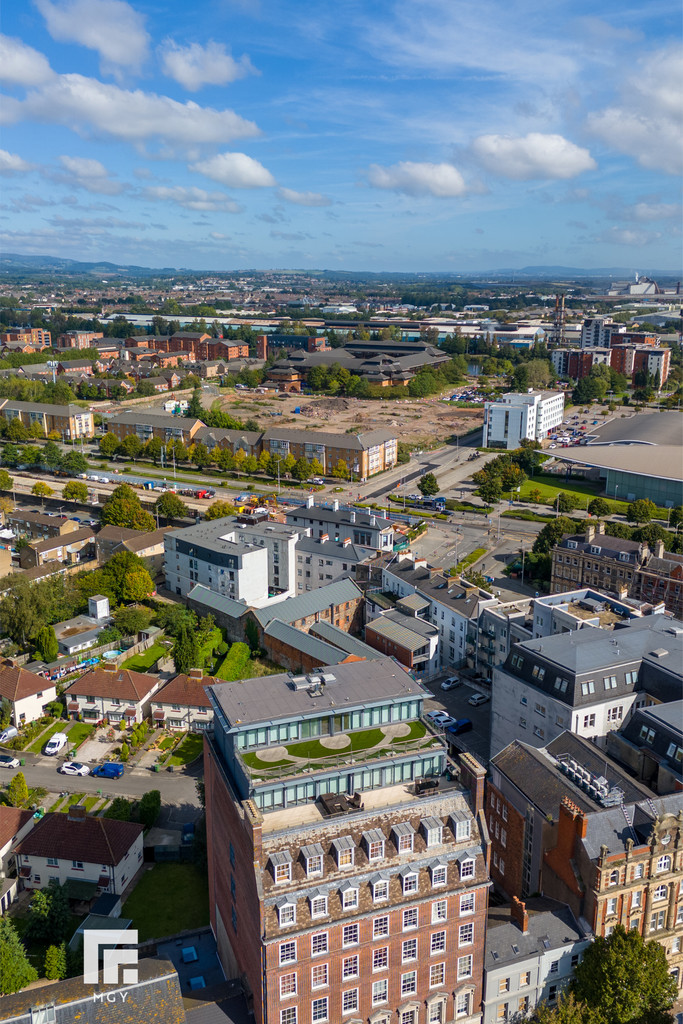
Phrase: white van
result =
(56, 743)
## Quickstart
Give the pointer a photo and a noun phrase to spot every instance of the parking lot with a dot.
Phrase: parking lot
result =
(454, 703)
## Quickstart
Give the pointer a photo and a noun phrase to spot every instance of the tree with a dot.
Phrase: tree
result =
(47, 647)
(302, 470)
(150, 806)
(123, 508)
(15, 970)
(17, 791)
(131, 446)
(626, 979)
(641, 511)
(288, 463)
(251, 464)
(402, 453)
(124, 752)
(55, 962)
(173, 617)
(251, 635)
(52, 455)
(42, 489)
(675, 519)
(316, 467)
(6, 481)
(109, 445)
(599, 507)
(5, 712)
(552, 534)
(75, 490)
(153, 449)
(428, 485)
(490, 488)
(170, 506)
(239, 458)
(219, 510)
(567, 1011)
(341, 470)
(185, 650)
(119, 568)
(74, 463)
(119, 809)
(137, 585)
(16, 431)
(109, 635)
(130, 621)
(194, 407)
(201, 456)
(264, 461)
(565, 502)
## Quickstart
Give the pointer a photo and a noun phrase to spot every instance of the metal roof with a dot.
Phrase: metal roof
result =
(403, 630)
(293, 608)
(325, 654)
(344, 641)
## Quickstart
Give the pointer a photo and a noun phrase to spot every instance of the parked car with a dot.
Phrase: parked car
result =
(8, 733)
(56, 743)
(108, 770)
(437, 717)
(478, 698)
(459, 726)
(450, 683)
(74, 768)
(317, 480)
(8, 762)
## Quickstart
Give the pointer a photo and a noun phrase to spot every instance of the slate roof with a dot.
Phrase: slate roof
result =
(300, 607)
(154, 419)
(406, 631)
(343, 640)
(92, 840)
(217, 602)
(63, 539)
(354, 442)
(17, 683)
(155, 998)
(609, 828)
(549, 922)
(340, 516)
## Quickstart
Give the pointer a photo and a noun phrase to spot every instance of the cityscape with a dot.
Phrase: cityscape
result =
(341, 514)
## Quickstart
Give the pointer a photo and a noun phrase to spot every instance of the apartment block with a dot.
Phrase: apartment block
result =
(365, 454)
(532, 415)
(146, 425)
(30, 339)
(337, 523)
(319, 560)
(650, 746)
(79, 339)
(344, 888)
(596, 559)
(70, 421)
(36, 526)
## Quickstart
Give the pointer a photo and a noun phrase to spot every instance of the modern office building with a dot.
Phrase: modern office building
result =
(514, 417)
(348, 873)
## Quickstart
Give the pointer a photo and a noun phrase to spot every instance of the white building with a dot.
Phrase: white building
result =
(111, 694)
(77, 847)
(320, 560)
(28, 694)
(15, 824)
(532, 415)
(597, 331)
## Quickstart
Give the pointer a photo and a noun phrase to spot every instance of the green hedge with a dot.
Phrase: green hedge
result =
(235, 663)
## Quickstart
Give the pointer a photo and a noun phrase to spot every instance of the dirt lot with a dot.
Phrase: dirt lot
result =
(418, 421)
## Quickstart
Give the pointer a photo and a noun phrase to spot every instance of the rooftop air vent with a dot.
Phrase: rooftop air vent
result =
(299, 682)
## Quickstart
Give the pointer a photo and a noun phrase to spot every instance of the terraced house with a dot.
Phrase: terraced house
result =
(348, 869)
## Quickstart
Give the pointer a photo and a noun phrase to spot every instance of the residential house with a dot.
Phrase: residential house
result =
(344, 888)
(145, 544)
(36, 526)
(15, 823)
(404, 635)
(182, 703)
(532, 949)
(28, 694)
(77, 546)
(70, 421)
(112, 694)
(102, 851)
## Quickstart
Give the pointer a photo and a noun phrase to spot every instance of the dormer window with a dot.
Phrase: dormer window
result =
(349, 896)
(380, 888)
(572, 544)
(466, 862)
(282, 866)
(345, 849)
(374, 842)
(439, 872)
(538, 672)
(403, 837)
(433, 831)
(319, 904)
(624, 556)
(313, 858)
(286, 911)
(595, 549)
(461, 824)
(409, 875)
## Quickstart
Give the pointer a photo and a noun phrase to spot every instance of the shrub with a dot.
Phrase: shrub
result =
(235, 662)
(125, 752)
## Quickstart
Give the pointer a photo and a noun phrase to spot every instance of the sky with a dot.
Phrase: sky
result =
(379, 135)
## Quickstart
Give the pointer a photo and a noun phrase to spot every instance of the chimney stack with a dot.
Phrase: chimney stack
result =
(519, 914)
(77, 812)
(324, 537)
(599, 527)
(472, 776)
(346, 542)
(310, 501)
(659, 549)
(590, 533)
(335, 505)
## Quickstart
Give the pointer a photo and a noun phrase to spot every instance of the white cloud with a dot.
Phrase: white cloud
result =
(218, 235)
(626, 236)
(91, 175)
(194, 66)
(647, 124)
(21, 64)
(111, 27)
(304, 198)
(647, 212)
(419, 179)
(134, 116)
(10, 163)
(193, 198)
(531, 156)
(236, 170)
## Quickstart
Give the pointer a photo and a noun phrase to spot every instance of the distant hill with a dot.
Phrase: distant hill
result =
(16, 263)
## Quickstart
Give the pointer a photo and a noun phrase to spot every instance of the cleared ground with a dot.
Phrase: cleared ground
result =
(417, 421)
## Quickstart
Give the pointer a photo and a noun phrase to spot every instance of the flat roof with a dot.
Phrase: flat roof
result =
(655, 460)
(251, 701)
(660, 428)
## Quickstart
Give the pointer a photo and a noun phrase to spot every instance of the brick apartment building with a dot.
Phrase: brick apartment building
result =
(30, 339)
(344, 890)
(79, 339)
(365, 453)
(146, 425)
(70, 421)
(621, 355)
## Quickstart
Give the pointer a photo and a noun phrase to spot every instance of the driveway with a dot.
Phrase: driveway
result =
(454, 702)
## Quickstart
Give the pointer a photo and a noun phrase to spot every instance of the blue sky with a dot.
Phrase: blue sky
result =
(452, 135)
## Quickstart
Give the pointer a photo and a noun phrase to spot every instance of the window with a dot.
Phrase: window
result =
(466, 934)
(538, 672)
(350, 899)
(283, 873)
(319, 1009)
(465, 966)
(380, 991)
(409, 1016)
(350, 935)
(588, 721)
(77, 865)
(437, 975)
(554, 966)
(439, 875)
(409, 883)
(380, 927)
(610, 682)
(408, 950)
(287, 914)
(664, 864)
(409, 919)
(314, 865)
(288, 985)
(587, 687)
(657, 920)
(615, 714)
(319, 906)
(502, 1012)
(350, 967)
(319, 943)
(52, 862)
(288, 952)
(380, 891)
(466, 904)
(462, 1004)
(552, 993)
(350, 1000)
(540, 709)
(503, 985)
(345, 858)
(434, 836)
(524, 979)
(319, 976)
(647, 734)
(463, 829)
(661, 892)
(503, 837)
(409, 983)
(636, 900)
(380, 958)
(437, 943)
(638, 871)
(376, 849)
(440, 910)
(405, 843)
(561, 684)
(611, 907)
(288, 1016)
(631, 677)
(467, 868)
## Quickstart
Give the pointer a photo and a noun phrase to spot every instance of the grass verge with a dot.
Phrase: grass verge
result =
(37, 746)
(189, 749)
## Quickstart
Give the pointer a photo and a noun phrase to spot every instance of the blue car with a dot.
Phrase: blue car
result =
(459, 726)
(108, 771)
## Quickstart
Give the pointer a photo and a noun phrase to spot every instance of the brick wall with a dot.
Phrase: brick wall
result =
(506, 831)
